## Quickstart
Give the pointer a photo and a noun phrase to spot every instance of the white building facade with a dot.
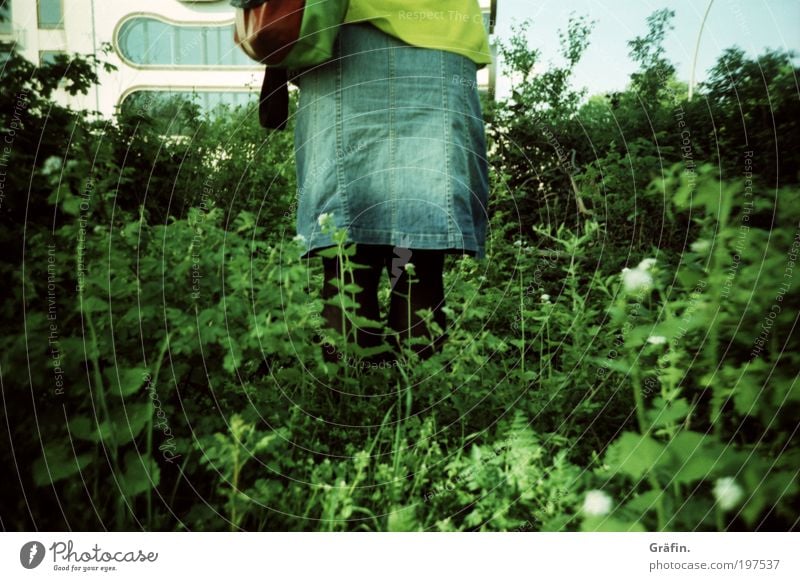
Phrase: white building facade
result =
(161, 46)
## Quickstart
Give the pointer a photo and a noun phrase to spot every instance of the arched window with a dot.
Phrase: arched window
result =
(152, 42)
(150, 100)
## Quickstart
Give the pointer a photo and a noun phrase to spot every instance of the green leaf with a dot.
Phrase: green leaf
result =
(330, 252)
(71, 205)
(364, 322)
(92, 304)
(350, 288)
(141, 474)
(689, 278)
(786, 390)
(60, 463)
(665, 413)
(612, 364)
(692, 456)
(643, 503)
(138, 414)
(136, 314)
(131, 229)
(746, 394)
(233, 357)
(342, 301)
(127, 381)
(634, 454)
(402, 519)
(264, 442)
(638, 335)
(84, 428)
(371, 351)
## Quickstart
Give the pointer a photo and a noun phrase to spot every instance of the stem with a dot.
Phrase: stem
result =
(660, 512)
(156, 372)
(235, 490)
(522, 325)
(697, 50)
(177, 480)
(122, 499)
(636, 382)
(310, 502)
(357, 478)
(342, 262)
(408, 311)
(150, 462)
(397, 452)
(645, 431)
(550, 357)
(712, 361)
(352, 332)
(541, 354)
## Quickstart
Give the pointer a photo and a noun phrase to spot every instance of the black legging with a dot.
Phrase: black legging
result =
(427, 292)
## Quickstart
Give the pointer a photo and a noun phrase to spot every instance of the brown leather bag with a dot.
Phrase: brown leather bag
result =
(268, 32)
(285, 34)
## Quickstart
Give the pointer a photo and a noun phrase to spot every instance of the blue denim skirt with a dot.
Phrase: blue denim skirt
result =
(390, 145)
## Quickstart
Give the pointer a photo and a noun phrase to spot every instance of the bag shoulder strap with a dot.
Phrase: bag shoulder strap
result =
(273, 107)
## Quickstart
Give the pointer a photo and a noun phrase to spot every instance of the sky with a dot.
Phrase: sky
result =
(753, 25)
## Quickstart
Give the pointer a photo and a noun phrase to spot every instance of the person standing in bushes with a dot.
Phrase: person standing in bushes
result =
(390, 146)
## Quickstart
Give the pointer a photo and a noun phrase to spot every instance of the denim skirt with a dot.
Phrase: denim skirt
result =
(390, 146)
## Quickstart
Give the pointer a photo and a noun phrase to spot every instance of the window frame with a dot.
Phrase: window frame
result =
(50, 26)
(217, 26)
(203, 94)
(43, 54)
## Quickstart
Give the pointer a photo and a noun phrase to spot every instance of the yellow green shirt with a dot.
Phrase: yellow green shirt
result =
(453, 25)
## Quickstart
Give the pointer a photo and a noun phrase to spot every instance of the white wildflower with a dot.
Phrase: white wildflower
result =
(656, 340)
(545, 298)
(597, 503)
(518, 243)
(727, 492)
(300, 239)
(409, 267)
(325, 219)
(700, 246)
(51, 165)
(647, 264)
(636, 280)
